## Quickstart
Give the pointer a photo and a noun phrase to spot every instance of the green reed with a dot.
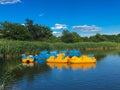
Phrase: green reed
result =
(10, 47)
(8, 75)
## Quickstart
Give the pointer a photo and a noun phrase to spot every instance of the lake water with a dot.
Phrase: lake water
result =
(104, 75)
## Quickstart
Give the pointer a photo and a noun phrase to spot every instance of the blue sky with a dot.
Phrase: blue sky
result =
(86, 17)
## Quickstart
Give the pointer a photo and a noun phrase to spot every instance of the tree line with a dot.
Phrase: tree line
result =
(35, 32)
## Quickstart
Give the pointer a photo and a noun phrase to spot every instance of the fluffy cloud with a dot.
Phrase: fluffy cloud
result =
(23, 24)
(57, 33)
(59, 26)
(9, 1)
(86, 28)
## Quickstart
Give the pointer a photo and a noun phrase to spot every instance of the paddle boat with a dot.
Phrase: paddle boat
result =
(65, 52)
(42, 55)
(40, 58)
(27, 59)
(74, 59)
(72, 53)
(72, 56)
(82, 59)
(58, 59)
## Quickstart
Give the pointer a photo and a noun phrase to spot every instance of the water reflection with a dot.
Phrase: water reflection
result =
(31, 69)
(27, 65)
(83, 66)
(40, 74)
(100, 55)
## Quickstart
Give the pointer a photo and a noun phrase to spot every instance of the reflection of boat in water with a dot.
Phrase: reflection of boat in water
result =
(58, 65)
(83, 66)
(28, 64)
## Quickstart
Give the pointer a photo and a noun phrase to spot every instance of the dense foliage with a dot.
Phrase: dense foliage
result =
(28, 31)
(35, 32)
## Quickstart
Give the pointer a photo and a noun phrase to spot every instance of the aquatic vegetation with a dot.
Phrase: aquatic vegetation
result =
(8, 76)
(9, 48)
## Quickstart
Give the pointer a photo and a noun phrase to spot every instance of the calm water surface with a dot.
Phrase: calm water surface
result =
(104, 75)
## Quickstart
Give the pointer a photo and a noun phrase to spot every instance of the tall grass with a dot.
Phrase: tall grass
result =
(10, 47)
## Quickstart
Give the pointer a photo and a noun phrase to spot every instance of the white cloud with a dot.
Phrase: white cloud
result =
(23, 24)
(9, 1)
(86, 28)
(59, 26)
(57, 33)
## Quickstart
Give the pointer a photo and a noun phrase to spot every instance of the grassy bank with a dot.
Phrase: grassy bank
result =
(8, 47)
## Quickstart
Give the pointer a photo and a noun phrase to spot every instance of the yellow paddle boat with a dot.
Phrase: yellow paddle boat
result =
(82, 59)
(28, 60)
(74, 59)
(58, 59)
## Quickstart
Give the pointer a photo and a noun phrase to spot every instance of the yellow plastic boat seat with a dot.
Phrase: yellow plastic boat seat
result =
(60, 56)
(51, 59)
(59, 61)
(62, 60)
(82, 59)
(75, 59)
(87, 59)
(31, 60)
(66, 59)
(23, 61)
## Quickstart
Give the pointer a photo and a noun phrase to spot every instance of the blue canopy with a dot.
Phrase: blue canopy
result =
(74, 53)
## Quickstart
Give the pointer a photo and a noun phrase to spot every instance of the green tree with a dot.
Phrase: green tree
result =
(85, 39)
(118, 36)
(67, 37)
(42, 32)
(53, 39)
(38, 32)
(76, 37)
(98, 38)
(14, 31)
